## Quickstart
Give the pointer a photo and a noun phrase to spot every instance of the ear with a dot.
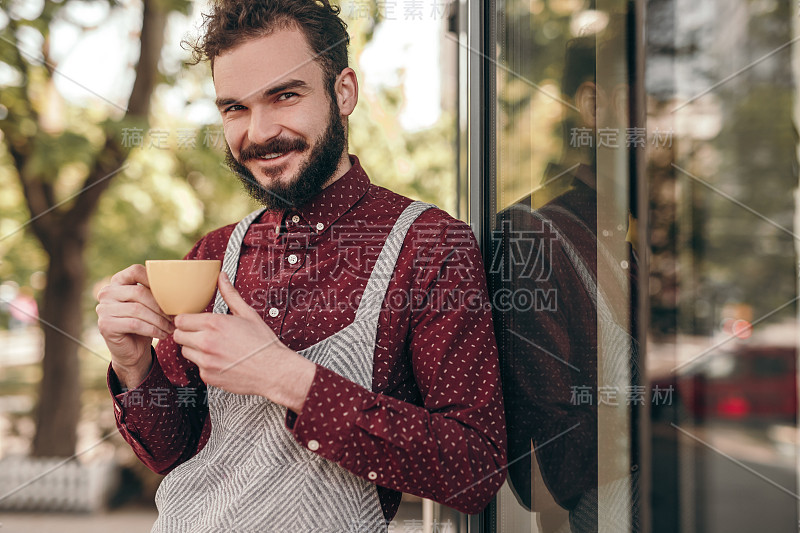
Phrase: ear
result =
(346, 89)
(586, 102)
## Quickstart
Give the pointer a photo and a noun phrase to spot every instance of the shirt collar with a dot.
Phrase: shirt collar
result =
(326, 207)
(334, 200)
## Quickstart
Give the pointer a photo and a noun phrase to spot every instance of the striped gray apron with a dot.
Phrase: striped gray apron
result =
(252, 475)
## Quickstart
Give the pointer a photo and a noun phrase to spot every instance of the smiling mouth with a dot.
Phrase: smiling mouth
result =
(275, 156)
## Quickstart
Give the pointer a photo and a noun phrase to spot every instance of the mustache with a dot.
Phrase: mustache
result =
(274, 146)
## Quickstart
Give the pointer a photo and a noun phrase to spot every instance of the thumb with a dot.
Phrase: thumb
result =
(231, 296)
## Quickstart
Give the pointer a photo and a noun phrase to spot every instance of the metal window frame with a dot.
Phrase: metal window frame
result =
(481, 157)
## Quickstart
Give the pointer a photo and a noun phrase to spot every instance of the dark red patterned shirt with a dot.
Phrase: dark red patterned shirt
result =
(433, 423)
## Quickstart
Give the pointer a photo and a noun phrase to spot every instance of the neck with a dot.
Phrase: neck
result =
(341, 169)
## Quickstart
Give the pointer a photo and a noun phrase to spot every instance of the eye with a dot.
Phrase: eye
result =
(286, 96)
(234, 107)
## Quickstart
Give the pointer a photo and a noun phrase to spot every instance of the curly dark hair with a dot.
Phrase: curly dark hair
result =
(232, 22)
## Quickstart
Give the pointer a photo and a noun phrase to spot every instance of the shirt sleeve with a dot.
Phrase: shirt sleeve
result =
(163, 424)
(452, 448)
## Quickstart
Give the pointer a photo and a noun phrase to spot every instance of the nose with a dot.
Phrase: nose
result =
(263, 126)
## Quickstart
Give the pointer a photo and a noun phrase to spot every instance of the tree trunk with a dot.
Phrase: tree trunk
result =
(63, 236)
(59, 405)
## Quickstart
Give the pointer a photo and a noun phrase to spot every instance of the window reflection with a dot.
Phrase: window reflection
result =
(563, 273)
(720, 147)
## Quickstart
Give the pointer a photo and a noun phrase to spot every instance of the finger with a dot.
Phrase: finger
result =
(197, 321)
(131, 276)
(130, 293)
(196, 340)
(231, 296)
(198, 357)
(195, 356)
(183, 337)
(113, 327)
(138, 311)
(122, 324)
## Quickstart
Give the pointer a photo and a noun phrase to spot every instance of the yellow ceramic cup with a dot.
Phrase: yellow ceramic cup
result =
(181, 286)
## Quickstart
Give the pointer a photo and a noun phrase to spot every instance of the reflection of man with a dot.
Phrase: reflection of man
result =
(551, 340)
(345, 372)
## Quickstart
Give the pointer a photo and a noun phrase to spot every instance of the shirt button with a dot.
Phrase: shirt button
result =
(373, 476)
(624, 264)
(292, 259)
(320, 226)
(273, 312)
(313, 445)
(295, 219)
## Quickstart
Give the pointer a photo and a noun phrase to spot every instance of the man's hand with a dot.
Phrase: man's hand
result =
(241, 354)
(128, 318)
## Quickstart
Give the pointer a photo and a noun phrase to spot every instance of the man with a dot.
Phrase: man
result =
(396, 385)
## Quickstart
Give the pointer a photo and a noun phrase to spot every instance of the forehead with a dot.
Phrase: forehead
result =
(260, 63)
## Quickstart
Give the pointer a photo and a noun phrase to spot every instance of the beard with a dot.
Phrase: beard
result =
(313, 174)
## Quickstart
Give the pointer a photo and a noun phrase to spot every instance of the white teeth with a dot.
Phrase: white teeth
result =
(271, 156)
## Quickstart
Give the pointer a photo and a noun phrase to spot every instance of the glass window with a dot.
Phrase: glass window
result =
(722, 175)
(637, 204)
(563, 263)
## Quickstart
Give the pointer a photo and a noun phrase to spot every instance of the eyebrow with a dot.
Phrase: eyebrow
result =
(285, 86)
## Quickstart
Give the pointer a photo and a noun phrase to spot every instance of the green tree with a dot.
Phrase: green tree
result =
(63, 171)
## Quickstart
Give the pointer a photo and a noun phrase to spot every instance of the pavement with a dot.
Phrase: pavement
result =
(122, 521)
(140, 520)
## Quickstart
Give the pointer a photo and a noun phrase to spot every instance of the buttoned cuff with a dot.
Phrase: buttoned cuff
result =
(138, 408)
(328, 420)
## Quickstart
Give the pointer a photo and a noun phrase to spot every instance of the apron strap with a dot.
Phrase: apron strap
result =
(231, 262)
(370, 305)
